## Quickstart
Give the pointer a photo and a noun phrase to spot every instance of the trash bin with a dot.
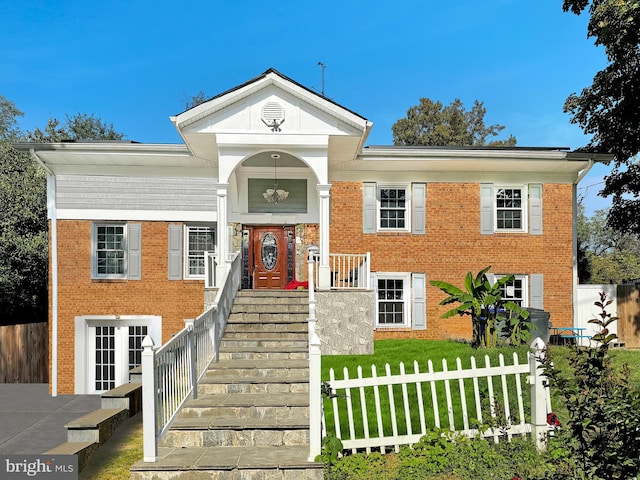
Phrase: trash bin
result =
(540, 325)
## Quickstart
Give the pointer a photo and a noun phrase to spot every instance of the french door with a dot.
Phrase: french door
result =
(114, 349)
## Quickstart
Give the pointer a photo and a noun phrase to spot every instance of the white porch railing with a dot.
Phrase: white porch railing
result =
(392, 394)
(170, 374)
(348, 270)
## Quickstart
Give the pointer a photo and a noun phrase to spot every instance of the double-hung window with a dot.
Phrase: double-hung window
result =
(393, 208)
(516, 291)
(511, 208)
(198, 240)
(110, 254)
(392, 299)
(116, 251)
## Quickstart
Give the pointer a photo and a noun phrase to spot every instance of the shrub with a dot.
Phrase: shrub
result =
(600, 439)
(442, 455)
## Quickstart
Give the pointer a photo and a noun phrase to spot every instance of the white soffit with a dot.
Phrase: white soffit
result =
(109, 158)
(472, 160)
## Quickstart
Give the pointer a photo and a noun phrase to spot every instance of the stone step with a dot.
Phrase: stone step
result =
(271, 300)
(250, 327)
(259, 368)
(260, 307)
(265, 353)
(265, 335)
(83, 450)
(96, 426)
(127, 395)
(221, 384)
(241, 432)
(266, 341)
(268, 318)
(230, 463)
(249, 405)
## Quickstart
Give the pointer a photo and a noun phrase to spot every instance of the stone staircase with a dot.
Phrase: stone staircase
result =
(251, 418)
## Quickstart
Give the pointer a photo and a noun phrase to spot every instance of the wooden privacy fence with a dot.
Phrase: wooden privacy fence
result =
(390, 410)
(24, 353)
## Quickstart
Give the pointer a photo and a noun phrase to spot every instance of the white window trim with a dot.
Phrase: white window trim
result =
(94, 250)
(407, 207)
(406, 298)
(84, 349)
(525, 209)
(525, 287)
(185, 253)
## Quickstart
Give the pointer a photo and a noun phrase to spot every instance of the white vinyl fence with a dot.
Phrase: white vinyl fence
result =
(385, 410)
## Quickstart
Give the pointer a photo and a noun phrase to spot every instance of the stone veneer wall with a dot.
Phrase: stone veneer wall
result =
(345, 322)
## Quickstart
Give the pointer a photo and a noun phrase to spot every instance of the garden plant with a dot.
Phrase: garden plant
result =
(492, 316)
(600, 438)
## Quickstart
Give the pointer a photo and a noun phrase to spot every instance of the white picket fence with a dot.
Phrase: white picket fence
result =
(405, 405)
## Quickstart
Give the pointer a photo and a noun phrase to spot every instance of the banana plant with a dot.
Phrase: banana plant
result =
(490, 313)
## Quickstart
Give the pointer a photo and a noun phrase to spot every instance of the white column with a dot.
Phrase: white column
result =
(324, 272)
(221, 235)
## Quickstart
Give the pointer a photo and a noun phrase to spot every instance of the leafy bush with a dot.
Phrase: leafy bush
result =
(442, 455)
(600, 438)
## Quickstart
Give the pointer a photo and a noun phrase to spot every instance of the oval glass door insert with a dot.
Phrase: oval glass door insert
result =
(269, 251)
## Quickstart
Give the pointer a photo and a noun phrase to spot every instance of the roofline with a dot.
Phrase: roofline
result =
(549, 153)
(102, 146)
(284, 77)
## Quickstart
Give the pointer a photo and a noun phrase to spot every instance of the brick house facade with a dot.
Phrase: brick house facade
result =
(130, 224)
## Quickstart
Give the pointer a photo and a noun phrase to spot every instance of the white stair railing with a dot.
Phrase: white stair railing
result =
(170, 374)
(315, 374)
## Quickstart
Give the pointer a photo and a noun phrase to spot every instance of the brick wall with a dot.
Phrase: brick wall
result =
(453, 246)
(153, 295)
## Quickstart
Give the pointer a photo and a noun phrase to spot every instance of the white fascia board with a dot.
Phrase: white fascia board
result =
(382, 153)
(102, 147)
(406, 176)
(137, 215)
(136, 171)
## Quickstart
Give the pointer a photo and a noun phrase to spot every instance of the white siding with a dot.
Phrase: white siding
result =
(105, 192)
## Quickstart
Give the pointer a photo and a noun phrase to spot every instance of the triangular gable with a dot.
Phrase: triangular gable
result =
(248, 107)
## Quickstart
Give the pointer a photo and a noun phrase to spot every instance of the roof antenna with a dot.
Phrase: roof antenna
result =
(323, 66)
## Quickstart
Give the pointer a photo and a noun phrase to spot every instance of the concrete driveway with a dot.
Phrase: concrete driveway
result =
(32, 421)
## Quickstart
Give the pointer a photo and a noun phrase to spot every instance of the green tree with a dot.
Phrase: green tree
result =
(609, 109)
(195, 100)
(23, 227)
(76, 127)
(605, 255)
(432, 124)
(23, 214)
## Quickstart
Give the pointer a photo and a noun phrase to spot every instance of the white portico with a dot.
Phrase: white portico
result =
(272, 130)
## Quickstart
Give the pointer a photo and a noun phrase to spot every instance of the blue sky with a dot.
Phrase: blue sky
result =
(133, 63)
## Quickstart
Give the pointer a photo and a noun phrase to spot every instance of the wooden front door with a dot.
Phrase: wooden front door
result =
(269, 255)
